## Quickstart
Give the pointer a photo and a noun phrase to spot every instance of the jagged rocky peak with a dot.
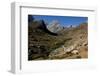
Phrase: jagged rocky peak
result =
(54, 26)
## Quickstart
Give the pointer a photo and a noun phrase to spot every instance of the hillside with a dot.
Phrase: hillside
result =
(46, 44)
(77, 42)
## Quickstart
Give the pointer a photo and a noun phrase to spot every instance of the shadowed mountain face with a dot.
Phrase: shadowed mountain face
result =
(46, 42)
(40, 25)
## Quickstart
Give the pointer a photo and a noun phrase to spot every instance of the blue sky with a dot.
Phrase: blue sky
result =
(63, 20)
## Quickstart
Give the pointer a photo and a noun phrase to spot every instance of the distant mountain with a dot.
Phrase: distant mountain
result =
(54, 26)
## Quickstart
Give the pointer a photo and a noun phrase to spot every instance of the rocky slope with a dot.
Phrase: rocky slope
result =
(76, 47)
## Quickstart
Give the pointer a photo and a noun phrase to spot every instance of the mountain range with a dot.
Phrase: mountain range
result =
(46, 41)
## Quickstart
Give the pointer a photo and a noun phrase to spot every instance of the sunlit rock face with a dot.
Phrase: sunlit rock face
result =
(54, 26)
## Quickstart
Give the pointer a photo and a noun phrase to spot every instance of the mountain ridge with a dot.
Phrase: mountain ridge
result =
(43, 43)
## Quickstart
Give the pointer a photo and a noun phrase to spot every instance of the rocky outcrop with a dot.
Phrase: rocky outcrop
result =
(67, 51)
(54, 26)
